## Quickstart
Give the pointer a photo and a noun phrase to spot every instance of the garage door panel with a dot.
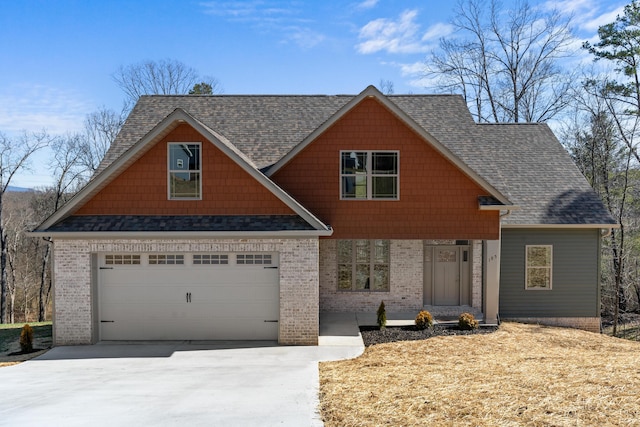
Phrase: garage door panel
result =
(192, 302)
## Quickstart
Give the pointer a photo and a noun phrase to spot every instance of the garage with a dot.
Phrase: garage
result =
(188, 296)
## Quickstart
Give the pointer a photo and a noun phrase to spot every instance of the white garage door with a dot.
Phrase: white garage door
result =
(173, 296)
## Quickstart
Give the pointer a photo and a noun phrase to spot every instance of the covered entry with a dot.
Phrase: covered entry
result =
(188, 296)
(447, 275)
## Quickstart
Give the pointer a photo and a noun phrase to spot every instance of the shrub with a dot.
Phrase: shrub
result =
(26, 339)
(382, 316)
(424, 320)
(467, 322)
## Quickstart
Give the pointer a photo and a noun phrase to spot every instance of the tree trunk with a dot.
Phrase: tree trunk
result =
(43, 294)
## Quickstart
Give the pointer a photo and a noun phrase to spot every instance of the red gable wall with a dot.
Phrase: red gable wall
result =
(437, 200)
(226, 188)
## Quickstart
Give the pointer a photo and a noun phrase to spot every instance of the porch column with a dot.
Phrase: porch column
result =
(491, 280)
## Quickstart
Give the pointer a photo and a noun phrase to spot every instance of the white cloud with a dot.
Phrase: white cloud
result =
(36, 107)
(306, 38)
(436, 31)
(392, 36)
(367, 4)
(602, 19)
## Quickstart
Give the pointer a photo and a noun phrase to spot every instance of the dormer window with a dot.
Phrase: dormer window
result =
(367, 175)
(185, 179)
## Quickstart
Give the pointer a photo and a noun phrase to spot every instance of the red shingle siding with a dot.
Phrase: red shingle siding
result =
(437, 200)
(226, 188)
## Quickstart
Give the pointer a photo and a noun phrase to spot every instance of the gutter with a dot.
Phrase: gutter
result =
(283, 234)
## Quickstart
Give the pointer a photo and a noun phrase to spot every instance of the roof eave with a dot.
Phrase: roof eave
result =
(558, 226)
(82, 235)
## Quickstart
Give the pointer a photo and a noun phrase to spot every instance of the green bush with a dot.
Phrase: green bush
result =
(382, 316)
(467, 322)
(424, 320)
(26, 339)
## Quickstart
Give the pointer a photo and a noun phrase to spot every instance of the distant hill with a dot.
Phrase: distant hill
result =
(18, 189)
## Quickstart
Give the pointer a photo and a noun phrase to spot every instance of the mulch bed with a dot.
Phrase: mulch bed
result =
(373, 335)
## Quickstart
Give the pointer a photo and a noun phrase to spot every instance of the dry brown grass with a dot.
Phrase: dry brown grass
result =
(520, 375)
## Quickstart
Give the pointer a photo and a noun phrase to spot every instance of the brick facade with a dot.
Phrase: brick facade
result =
(299, 305)
(406, 277)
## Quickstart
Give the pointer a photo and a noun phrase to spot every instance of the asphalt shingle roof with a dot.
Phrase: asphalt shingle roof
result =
(524, 162)
(133, 223)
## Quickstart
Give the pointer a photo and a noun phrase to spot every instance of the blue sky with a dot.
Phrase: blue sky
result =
(57, 57)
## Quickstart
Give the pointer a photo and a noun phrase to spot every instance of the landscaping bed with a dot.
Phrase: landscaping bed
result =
(10, 353)
(374, 335)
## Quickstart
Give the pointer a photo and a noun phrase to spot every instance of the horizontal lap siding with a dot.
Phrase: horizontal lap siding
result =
(437, 200)
(575, 278)
(226, 188)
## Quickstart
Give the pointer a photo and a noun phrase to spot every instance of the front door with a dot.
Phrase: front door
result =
(446, 275)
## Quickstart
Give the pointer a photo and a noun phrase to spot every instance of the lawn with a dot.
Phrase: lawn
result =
(10, 341)
(519, 375)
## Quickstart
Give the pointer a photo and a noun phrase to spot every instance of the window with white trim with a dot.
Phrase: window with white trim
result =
(185, 175)
(165, 259)
(539, 267)
(367, 175)
(363, 265)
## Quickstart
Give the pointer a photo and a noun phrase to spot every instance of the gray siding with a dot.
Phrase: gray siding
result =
(575, 280)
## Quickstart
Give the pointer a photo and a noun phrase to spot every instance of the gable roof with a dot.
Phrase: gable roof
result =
(372, 92)
(135, 151)
(520, 165)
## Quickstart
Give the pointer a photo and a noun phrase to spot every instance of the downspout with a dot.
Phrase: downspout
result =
(502, 215)
(606, 232)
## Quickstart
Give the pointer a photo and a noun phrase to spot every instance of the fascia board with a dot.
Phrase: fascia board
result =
(83, 235)
(559, 226)
(372, 92)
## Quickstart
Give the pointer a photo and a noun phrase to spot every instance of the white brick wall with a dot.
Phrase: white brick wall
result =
(299, 304)
(407, 278)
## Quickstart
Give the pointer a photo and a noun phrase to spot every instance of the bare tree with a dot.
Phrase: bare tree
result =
(505, 62)
(100, 130)
(14, 157)
(386, 87)
(164, 77)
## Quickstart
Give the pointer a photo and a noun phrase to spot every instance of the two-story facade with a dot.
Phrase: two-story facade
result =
(243, 217)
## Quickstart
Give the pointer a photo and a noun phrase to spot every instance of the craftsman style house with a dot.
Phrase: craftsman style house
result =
(244, 217)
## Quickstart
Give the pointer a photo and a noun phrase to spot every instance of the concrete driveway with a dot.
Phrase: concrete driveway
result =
(168, 384)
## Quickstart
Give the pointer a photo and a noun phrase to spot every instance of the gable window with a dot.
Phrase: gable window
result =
(367, 175)
(184, 171)
(539, 267)
(363, 265)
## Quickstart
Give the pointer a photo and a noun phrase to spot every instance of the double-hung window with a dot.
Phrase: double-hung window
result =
(363, 265)
(367, 175)
(539, 267)
(185, 176)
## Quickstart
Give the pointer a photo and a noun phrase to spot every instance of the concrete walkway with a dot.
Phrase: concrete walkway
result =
(175, 383)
